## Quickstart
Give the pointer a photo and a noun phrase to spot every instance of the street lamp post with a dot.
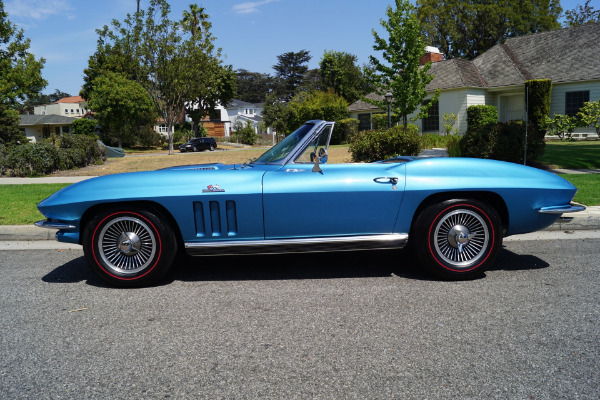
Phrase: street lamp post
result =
(388, 98)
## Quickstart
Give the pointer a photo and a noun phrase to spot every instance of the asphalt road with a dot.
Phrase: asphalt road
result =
(342, 326)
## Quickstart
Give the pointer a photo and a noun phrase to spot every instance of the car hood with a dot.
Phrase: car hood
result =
(185, 180)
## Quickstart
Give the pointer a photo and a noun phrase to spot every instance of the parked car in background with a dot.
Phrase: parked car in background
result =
(197, 144)
(454, 212)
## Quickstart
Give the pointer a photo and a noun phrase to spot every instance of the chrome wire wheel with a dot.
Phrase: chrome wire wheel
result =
(127, 245)
(461, 238)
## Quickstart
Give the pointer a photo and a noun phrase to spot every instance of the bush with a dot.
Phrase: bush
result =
(59, 152)
(479, 117)
(504, 141)
(245, 135)
(375, 145)
(380, 121)
(540, 91)
(453, 145)
(344, 130)
(84, 126)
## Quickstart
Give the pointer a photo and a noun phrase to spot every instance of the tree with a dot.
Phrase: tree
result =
(400, 71)
(84, 126)
(211, 83)
(466, 29)
(253, 87)
(9, 126)
(121, 105)
(339, 72)
(581, 15)
(306, 106)
(274, 114)
(20, 72)
(589, 115)
(290, 71)
(168, 58)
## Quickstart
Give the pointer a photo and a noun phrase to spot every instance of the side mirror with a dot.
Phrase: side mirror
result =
(323, 155)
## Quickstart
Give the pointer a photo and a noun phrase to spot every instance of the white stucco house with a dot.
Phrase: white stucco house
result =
(73, 107)
(569, 57)
(242, 112)
(53, 118)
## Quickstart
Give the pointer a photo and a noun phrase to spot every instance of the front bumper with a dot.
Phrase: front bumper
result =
(569, 208)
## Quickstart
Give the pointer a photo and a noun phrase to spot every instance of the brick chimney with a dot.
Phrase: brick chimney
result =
(431, 54)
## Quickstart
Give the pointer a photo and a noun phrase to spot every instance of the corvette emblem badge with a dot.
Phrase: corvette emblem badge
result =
(212, 189)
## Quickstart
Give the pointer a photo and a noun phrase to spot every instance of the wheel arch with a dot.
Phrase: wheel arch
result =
(141, 204)
(492, 199)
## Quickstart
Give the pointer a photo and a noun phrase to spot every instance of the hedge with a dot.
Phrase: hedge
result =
(375, 145)
(60, 152)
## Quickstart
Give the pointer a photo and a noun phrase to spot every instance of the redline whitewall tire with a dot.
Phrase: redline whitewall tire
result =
(128, 247)
(457, 239)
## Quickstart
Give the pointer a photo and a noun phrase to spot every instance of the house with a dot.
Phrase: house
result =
(569, 57)
(241, 112)
(73, 106)
(37, 127)
(53, 118)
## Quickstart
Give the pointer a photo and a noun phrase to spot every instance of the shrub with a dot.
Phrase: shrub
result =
(380, 121)
(344, 130)
(481, 117)
(369, 146)
(540, 91)
(84, 126)
(246, 135)
(58, 152)
(504, 141)
(453, 145)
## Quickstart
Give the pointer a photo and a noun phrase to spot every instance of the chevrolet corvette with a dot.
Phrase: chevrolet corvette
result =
(453, 212)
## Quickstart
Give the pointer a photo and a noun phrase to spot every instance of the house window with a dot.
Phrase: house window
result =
(574, 101)
(432, 122)
(364, 122)
(163, 129)
(66, 110)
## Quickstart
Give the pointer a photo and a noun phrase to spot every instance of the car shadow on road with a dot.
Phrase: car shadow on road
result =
(74, 271)
(334, 265)
(509, 261)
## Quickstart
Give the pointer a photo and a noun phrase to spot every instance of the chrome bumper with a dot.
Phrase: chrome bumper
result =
(570, 208)
(54, 225)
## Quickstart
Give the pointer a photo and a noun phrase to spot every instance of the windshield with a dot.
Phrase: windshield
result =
(282, 149)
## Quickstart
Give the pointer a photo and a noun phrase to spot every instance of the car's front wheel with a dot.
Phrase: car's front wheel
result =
(457, 239)
(128, 247)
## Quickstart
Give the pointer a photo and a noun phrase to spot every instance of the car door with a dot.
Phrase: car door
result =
(339, 200)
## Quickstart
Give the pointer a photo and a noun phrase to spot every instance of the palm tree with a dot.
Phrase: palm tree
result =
(195, 19)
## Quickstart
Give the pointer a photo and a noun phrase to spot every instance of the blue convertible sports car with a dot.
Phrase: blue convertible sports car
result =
(454, 212)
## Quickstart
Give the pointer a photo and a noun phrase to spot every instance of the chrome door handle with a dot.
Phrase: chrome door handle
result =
(386, 179)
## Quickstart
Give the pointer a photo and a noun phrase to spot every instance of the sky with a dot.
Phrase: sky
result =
(251, 33)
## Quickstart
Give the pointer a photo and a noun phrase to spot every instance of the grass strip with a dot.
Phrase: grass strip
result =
(575, 155)
(18, 203)
(588, 188)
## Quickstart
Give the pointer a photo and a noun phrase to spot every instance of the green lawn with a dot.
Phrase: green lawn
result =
(18, 202)
(588, 188)
(575, 155)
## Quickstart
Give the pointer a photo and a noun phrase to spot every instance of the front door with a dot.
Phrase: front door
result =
(340, 200)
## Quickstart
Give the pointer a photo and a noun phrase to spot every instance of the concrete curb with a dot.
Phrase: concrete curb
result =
(585, 220)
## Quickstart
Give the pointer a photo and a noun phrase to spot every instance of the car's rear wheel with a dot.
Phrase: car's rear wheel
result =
(128, 247)
(457, 239)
